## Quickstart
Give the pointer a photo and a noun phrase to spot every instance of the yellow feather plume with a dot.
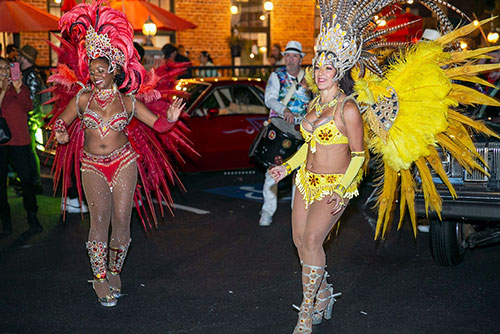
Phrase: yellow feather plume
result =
(469, 70)
(385, 202)
(310, 80)
(460, 56)
(431, 196)
(478, 126)
(407, 199)
(435, 161)
(474, 79)
(465, 30)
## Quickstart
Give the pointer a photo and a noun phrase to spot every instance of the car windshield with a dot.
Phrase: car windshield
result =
(193, 89)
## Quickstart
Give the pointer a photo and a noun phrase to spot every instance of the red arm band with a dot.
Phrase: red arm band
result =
(162, 124)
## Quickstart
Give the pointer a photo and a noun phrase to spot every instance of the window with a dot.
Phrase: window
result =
(232, 100)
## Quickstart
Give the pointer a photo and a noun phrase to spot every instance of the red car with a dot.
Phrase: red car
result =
(225, 116)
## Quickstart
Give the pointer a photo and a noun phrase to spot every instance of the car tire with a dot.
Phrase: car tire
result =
(447, 242)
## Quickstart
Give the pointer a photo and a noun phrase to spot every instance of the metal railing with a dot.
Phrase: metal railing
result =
(243, 71)
(247, 71)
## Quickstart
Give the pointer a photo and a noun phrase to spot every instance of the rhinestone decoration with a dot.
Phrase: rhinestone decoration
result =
(99, 45)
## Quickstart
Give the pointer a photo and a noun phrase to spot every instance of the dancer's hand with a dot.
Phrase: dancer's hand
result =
(60, 131)
(277, 173)
(339, 203)
(175, 110)
(62, 137)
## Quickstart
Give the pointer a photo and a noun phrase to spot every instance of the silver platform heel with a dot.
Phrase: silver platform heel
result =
(311, 280)
(326, 313)
(98, 251)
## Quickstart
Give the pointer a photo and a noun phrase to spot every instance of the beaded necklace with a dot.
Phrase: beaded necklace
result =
(318, 108)
(104, 97)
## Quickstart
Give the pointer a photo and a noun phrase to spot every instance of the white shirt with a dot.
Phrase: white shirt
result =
(272, 94)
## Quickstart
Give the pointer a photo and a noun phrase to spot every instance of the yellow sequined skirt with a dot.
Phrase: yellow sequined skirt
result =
(315, 187)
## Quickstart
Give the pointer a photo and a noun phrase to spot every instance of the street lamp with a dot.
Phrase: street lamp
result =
(149, 30)
(234, 9)
(492, 37)
(268, 5)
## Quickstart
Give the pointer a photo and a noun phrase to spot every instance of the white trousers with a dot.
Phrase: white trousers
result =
(270, 194)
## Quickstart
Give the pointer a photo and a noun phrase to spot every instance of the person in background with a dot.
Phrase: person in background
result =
(171, 53)
(182, 51)
(11, 52)
(140, 51)
(278, 85)
(206, 60)
(277, 54)
(15, 103)
(33, 80)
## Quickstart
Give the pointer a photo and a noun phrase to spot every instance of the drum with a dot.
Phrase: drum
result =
(275, 142)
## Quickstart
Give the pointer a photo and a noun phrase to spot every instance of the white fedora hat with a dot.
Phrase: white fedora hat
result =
(430, 35)
(293, 47)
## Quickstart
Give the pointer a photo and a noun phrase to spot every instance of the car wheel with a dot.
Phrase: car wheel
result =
(448, 242)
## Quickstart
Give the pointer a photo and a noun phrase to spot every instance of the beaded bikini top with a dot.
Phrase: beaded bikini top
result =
(325, 133)
(117, 122)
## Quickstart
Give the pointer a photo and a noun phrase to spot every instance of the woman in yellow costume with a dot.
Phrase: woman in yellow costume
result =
(404, 113)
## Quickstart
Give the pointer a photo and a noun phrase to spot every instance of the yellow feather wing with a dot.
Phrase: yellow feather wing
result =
(425, 120)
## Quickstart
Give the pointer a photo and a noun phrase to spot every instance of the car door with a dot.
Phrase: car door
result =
(224, 125)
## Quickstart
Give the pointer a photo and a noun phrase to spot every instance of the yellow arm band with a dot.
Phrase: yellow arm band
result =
(297, 159)
(357, 159)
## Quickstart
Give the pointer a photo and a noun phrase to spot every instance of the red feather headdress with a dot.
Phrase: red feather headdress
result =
(101, 31)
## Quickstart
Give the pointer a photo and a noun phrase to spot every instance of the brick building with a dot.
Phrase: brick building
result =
(289, 19)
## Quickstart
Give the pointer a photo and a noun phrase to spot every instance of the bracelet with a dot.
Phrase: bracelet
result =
(59, 125)
(288, 168)
(339, 189)
(358, 154)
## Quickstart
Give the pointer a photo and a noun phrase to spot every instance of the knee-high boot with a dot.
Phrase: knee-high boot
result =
(311, 279)
(98, 252)
(117, 257)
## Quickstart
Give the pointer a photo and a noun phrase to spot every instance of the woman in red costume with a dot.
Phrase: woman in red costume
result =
(104, 111)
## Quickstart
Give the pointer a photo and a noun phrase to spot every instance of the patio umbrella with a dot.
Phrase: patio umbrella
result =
(19, 16)
(68, 5)
(138, 11)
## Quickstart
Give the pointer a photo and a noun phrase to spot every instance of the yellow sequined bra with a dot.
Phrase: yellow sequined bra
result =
(326, 133)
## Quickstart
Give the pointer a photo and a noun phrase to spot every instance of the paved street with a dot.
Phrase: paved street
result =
(213, 270)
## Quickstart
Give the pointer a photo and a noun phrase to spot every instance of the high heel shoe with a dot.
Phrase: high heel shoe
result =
(98, 251)
(311, 280)
(325, 313)
(106, 301)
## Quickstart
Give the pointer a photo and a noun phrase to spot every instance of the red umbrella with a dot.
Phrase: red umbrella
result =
(68, 5)
(138, 11)
(19, 16)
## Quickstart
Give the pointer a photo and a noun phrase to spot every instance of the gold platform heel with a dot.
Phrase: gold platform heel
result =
(117, 257)
(98, 251)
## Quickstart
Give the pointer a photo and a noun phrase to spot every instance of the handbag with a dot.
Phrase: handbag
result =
(5, 134)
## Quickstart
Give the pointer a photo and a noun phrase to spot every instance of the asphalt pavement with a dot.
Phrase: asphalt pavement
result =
(212, 269)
